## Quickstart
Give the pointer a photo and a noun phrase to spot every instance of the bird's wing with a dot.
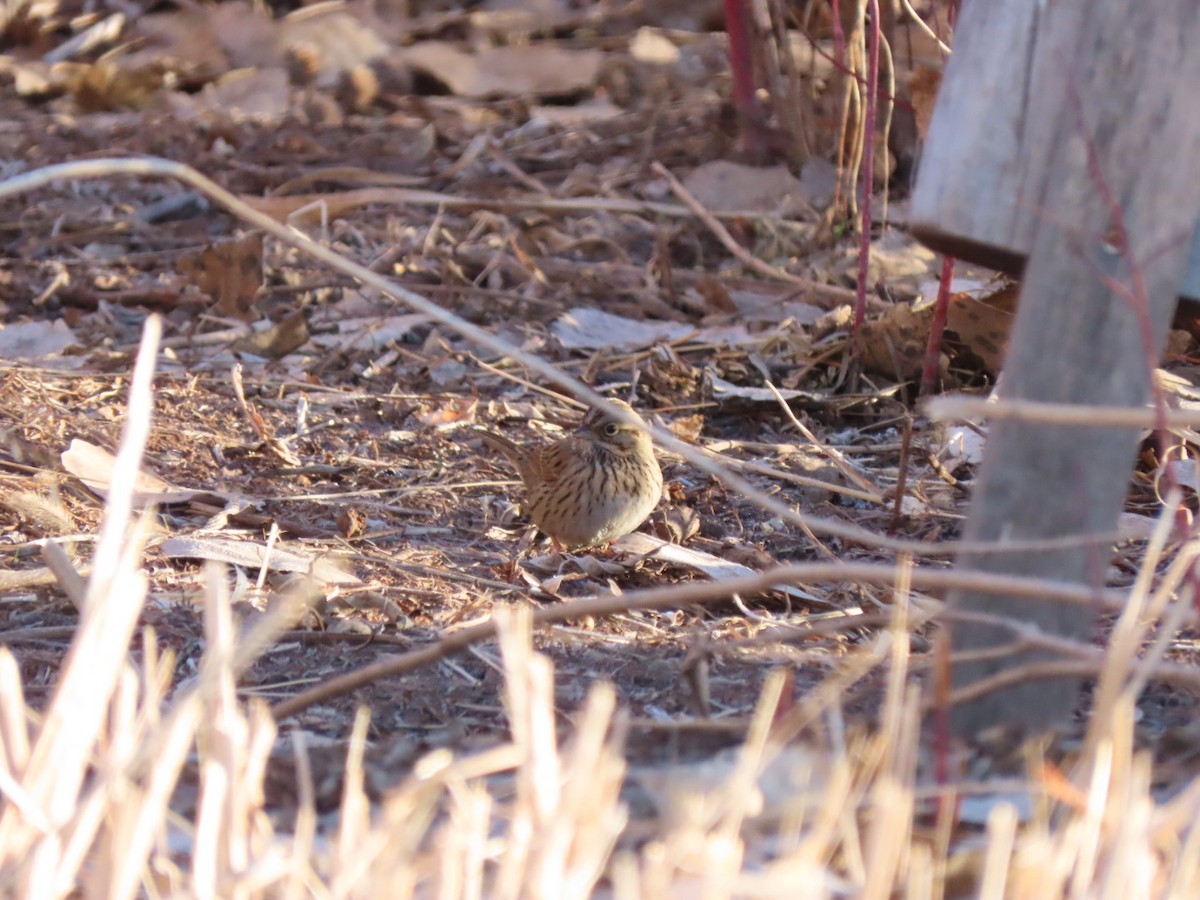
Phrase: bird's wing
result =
(553, 460)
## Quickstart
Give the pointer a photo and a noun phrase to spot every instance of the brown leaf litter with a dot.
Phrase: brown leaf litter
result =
(345, 425)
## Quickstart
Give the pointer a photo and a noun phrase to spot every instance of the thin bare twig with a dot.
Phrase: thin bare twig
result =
(846, 467)
(921, 24)
(162, 168)
(721, 233)
(698, 593)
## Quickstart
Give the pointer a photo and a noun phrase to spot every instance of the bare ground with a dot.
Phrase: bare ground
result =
(381, 471)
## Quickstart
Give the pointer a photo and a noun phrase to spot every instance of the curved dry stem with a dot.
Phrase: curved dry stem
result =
(700, 593)
(154, 167)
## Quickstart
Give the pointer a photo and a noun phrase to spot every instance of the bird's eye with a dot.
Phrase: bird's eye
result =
(611, 429)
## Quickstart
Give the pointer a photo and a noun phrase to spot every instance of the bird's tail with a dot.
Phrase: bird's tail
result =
(503, 444)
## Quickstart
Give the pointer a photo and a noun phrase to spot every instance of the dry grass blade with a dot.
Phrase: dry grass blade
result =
(138, 822)
(1125, 674)
(14, 742)
(92, 675)
(69, 579)
(564, 818)
(518, 770)
(89, 789)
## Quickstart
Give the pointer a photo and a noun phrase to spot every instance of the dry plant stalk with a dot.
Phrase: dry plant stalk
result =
(44, 837)
(101, 830)
(87, 786)
(161, 168)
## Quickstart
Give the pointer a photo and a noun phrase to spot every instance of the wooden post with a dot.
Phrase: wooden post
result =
(1068, 104)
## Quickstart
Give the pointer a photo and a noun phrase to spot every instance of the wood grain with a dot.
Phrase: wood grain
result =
(1118, 80)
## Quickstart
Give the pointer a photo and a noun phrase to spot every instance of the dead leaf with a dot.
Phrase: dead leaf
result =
(716, 296)
(963, 444)
(31, 78)
(184, 40)
(713, 566)
(676, 790)
(94, 467)
(38, 341)
(231, 272)
(1183, 471)
(682, 523)
(246, 33)
(278, 340)
(541, 70)
(983, 324)
(923, 88)
(351, 522)
(893, 345)
(259, 94)
(105, 86)
(725, 186)
(455, 411)
(256, 555)
(370, 333)
(519, 18)
(339, 40)
(772, 309)
(896, 256)
(577, 115)
(723, 389)
(584, 328)
(651, 45)
(819, 180)
(1135, 526)
(687, 428)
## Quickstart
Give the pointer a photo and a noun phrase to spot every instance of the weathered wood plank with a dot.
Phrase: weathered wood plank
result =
(982, 146)
(1123, 79)
(977, 155)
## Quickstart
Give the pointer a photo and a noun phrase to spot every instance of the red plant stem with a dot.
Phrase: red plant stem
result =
(868, 166)
(1190, 583)
(839, 37)
(741, 62)
(941, 310)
